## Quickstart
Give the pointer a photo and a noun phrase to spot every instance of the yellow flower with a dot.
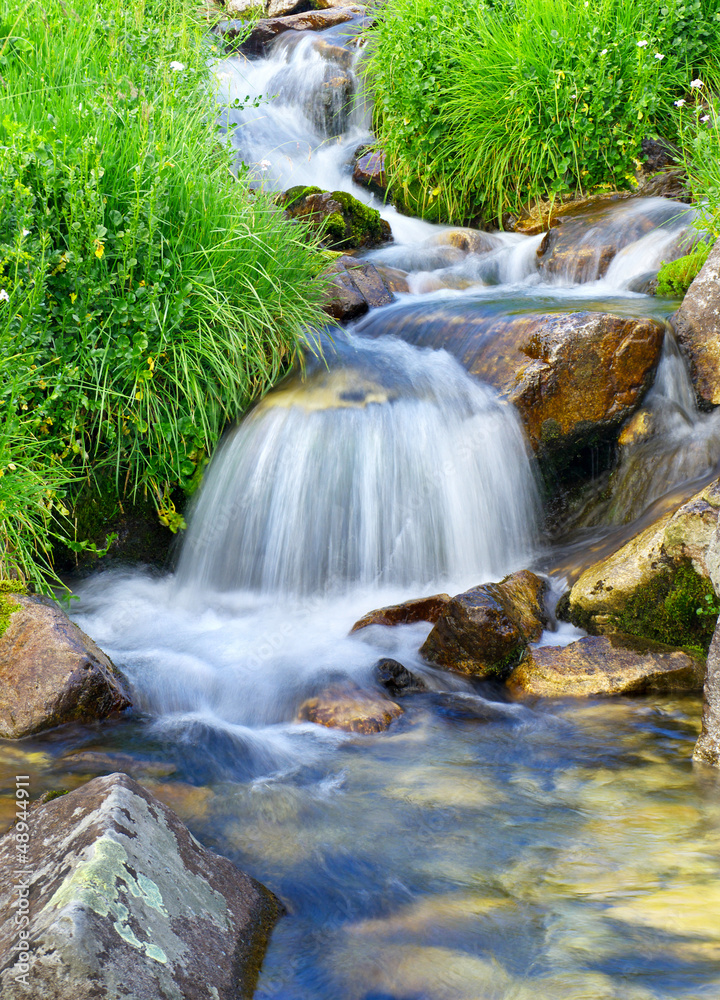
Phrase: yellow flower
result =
(99, 248)
(73, 296)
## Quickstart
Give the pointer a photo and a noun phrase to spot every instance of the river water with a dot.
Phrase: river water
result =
(481, 849)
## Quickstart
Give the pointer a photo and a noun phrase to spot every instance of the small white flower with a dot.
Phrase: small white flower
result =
(658, 56)
(4, 297)
(26, 232)
(177, 66)
(696, 84)
(705, 118)
(641, 45)
(604, 52)
(264, 164)
(679, 104)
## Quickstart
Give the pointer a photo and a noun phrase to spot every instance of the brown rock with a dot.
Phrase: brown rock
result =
(345, 706)
(697, 325)
(485, 630)
(343, 222)
(422, 609)
(123, 901)
(51, 672)
(264, 32)
(397, 679)
(356, 286)
(369, 171)
(606, 665)
(575, 378)
(707, 748)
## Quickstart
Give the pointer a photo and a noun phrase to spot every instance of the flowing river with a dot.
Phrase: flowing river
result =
(481, 849)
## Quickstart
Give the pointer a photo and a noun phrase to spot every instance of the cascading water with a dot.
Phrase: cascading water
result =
(482, 847)
(394, 468)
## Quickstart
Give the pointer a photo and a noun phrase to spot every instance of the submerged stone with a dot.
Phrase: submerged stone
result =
(51, 672)
(124, 902)
(421, 609)
(697, 326)
(484, 631)
(356, 287)
(348, 707)
(606, 665)
(707, 748)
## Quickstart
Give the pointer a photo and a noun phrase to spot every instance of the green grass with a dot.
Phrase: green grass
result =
(147, 296)
(484, 108)
(676, 276)
(700, 130)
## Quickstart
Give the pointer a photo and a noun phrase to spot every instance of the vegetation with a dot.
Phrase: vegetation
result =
(676, 276)
(700, 131)
(481, 108)
(146, 294)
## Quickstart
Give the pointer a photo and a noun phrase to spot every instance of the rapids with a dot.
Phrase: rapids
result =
(481, 849)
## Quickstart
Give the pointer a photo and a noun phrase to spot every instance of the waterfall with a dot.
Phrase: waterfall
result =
(393, 468)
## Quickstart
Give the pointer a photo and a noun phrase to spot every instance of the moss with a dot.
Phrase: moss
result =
(365, 223)
(7, 605)
(334, 228)
(676, 276)
(665, 609)
(297, 193)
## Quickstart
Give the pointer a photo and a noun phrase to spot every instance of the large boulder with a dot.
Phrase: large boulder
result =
(575, 378)
(348, 707)
(357, 286)
(653, 585)
(606, 665)
(707, 748)
(420, 609)
(122, 902)
(484, 631)
(697, 326)
(343, 221)
(264, 32)
(51, 672)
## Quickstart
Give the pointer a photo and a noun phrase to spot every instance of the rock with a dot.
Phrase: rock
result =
(670, 184)
(485, 630)
(124, 902)
(585, 241)
(605, 665)
(546, 364)
(243, 8)
(331, 107)
(707, 748)
(264, 32)
(653, 585)
(422, 609)
(369, 171)
(397, 679)
(345, 706)
(51, 672)
(659, 154)
(356, 286)
(281, 8)
(345, 223)
(697, 326)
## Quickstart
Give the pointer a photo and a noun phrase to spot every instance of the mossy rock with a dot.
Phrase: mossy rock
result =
(675, 276)
(8, 606)
(343, 222)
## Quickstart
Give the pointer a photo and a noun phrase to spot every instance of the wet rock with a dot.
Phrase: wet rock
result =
(356, 287)
(465, 239)
(244, 8)
(345, 706)
(397, 679)
(51, 672)
(658, 154)
(265, 31)
(332, 105)
(369, 171)
(707, 748)
(671, 184)
(606, 665)
(123, 901)
(585, 241)
(548, 365)
(345, 223)
(281, 8)
(422, 609)
(653, 585)
(484, 631)
(697, 326)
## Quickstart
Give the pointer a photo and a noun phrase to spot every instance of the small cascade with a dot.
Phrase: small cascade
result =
(668, 442)
(393, 468)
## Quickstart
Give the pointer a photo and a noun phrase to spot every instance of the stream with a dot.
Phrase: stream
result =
(481, 849)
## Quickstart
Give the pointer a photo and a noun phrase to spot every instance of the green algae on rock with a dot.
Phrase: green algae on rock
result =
(122, 893)
(343, 222)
